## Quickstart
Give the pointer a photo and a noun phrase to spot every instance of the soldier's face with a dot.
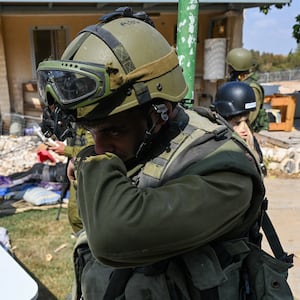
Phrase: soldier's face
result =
(120, 134)
(240, 126)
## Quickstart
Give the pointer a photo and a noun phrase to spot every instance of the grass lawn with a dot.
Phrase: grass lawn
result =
(43, 245)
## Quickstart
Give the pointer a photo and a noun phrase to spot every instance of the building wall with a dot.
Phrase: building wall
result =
(16, 52)
(4, 102)
(17, 43)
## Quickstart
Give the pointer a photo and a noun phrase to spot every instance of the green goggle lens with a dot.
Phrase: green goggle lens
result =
(72, 84)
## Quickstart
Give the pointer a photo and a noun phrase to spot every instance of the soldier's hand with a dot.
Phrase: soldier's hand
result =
(70, 170)
(59, 148)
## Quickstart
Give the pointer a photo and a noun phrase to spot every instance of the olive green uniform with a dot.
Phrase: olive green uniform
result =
(82, 139)
(131, 224)
(258, 119)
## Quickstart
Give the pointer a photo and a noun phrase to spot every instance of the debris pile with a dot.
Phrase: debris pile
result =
(26, 181)
(281, 151)
(285, 160)
(17, 153)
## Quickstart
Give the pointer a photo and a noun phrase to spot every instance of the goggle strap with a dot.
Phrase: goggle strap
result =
(69, 53)
(114, 44)
(147, 72)
(142, 93)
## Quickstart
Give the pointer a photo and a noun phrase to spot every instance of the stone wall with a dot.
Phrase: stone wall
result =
(281, 150)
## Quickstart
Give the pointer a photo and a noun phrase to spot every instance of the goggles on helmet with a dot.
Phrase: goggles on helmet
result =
(76, 84)
(71, 83)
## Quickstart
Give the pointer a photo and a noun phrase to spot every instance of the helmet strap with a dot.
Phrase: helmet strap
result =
(233, 76)
(161, 110)
(142, 92)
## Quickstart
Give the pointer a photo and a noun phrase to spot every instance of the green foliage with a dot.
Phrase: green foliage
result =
(296, 29)
(267, 7)
(269, 62)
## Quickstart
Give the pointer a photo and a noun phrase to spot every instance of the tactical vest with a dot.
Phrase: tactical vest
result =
(258, 118)
(198, 139)
(215, 271)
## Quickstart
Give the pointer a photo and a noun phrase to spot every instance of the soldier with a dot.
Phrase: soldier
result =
(81, 139)
(167, 195)
(70, 140)
(240, 68)
(235, 101)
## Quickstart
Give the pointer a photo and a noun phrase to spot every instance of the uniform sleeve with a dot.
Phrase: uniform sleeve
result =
(129, 226)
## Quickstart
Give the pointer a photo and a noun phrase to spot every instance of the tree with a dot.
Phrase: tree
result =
(296, 30)
(269, 62)
(265, 8)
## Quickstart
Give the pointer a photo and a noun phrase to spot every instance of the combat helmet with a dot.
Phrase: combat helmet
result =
(240, 59)
(112, 66)
(234, 98)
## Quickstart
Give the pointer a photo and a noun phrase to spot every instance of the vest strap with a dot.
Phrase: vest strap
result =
(117, 283)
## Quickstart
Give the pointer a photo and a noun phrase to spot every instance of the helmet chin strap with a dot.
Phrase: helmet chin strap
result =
(162, 110)
(233, 76)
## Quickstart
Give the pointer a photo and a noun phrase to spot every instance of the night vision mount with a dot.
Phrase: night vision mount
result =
(126, 12)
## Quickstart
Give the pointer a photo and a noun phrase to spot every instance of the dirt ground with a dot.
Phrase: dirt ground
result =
(283, 192)
(284, 209)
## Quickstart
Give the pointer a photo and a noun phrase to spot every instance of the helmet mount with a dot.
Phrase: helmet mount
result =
(126, 11)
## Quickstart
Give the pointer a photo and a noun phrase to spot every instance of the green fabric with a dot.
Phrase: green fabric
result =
(261, 122)
(117, 212)
(125, 214)
(85, 138)
(73, 214)
(268, 275)
(82, 139)
(135, 225)
(258, 118)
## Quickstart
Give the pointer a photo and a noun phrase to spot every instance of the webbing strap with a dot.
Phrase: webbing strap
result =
(274, 241)
(154, 169)
(196, 144)
(114, 44)
(211, 294)
(141, 90)
(117, 283)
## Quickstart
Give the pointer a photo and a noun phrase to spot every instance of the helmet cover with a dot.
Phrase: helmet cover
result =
(240, 59)
(135, 65)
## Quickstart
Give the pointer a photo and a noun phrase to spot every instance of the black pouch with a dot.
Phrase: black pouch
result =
(267, 276)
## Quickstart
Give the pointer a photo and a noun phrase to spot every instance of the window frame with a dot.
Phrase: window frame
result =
(32, 44)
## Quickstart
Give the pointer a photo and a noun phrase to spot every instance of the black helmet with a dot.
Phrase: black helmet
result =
(234, 98)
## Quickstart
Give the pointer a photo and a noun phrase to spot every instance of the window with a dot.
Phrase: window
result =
(218, 28)
(47, 43)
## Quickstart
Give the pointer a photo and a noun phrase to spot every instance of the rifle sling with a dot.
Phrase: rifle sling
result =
(274, 241)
